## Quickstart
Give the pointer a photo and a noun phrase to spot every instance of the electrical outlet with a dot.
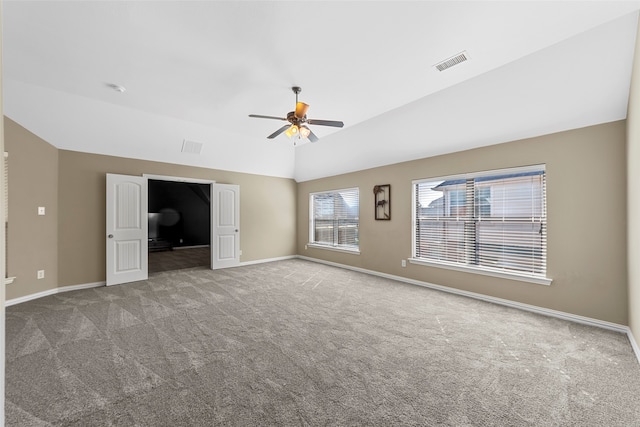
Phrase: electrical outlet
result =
(305, 247)
(240, 252)
(40, 274)
(404, 262)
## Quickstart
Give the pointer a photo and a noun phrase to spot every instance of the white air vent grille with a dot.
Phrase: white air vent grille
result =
(454, 60)
(191, 147)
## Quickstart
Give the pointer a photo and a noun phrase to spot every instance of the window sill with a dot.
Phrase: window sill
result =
(9, 280)
(334, 248)
(468, 269)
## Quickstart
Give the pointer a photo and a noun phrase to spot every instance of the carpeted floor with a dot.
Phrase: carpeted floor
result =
(299, 343)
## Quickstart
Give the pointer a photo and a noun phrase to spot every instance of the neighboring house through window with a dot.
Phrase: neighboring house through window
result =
(493, 222)
(334, 219)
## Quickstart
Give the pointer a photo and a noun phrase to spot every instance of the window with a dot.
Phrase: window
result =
(8, 280)
(493, 222)
(333, 217)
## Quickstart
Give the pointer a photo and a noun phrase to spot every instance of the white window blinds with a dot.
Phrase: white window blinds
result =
(494, 221)
(6, 213)
(334, 217)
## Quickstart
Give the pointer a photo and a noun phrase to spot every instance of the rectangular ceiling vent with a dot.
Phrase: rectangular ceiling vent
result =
(191, 147)
(454, 60)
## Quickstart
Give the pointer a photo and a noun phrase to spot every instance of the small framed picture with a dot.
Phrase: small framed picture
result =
(382, 199)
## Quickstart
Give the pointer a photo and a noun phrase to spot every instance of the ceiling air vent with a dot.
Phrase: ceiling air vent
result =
(191, 147)
(454, 60)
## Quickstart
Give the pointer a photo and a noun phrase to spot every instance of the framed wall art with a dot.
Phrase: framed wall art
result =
(382, 199)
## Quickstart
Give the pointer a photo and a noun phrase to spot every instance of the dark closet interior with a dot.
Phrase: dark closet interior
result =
(179, 218)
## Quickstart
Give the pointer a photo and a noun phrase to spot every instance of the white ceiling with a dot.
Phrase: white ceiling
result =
(196, 70)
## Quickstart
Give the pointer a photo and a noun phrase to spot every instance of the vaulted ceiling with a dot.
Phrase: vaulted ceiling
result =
(195, 70)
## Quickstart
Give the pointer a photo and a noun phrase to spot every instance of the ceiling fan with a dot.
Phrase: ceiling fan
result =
(298, 121)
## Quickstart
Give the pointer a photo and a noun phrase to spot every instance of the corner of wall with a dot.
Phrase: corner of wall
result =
(633, 199)
(32, 238)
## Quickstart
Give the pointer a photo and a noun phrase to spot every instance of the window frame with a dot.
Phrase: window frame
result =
(541, 279)
(7, 279)
(352, 249)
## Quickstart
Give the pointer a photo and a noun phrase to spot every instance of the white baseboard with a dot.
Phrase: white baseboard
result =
(514, 304)
(178, 248)
(262, 261)
(634, 344)
(53, 291)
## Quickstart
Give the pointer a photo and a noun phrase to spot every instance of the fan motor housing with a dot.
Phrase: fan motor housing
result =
(291, 118)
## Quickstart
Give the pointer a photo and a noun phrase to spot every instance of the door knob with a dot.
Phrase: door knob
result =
(110, 236)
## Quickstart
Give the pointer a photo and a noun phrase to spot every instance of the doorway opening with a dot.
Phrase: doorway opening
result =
(179, 222)
(127, 228)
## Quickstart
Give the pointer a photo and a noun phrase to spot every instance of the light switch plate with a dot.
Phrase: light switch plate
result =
(41, 210)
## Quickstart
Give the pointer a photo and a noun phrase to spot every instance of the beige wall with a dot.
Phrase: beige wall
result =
(586, 226)
(633, 195)
(267, 211)
(33, 239)
(69, 242)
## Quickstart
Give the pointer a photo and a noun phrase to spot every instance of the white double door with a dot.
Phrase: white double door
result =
(127, 228)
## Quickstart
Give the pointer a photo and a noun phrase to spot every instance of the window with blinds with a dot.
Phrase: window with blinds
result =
(6, 213)
(334, 218)
(494, 221)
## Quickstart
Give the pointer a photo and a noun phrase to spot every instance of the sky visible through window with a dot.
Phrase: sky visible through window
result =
(426, 197)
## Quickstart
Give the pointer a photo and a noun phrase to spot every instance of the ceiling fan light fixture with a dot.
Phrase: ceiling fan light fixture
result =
(305, 131)
(292, 131)
(301, 109)
(298, 120)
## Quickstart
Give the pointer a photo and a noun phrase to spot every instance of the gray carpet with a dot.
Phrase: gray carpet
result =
(300, 343)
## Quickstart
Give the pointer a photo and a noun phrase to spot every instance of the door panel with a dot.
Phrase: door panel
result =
(226, 247)
(226, 229)
(127, 253)
(126, 229)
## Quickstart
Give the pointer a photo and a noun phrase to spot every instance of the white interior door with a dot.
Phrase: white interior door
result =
(127, 229)
(225, 244)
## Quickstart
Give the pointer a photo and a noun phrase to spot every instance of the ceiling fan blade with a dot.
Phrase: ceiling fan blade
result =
(267, 117)
(312, 136)
(278, 132)
(334, 123)
(301, 109)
